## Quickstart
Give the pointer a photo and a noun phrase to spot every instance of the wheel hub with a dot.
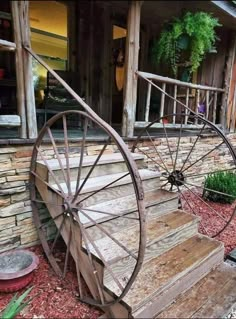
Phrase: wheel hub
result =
(69, 206)
(176, 178)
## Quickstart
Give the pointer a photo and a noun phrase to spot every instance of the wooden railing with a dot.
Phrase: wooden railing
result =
(183, 97)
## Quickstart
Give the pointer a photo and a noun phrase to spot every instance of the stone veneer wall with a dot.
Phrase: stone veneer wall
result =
(16, 224)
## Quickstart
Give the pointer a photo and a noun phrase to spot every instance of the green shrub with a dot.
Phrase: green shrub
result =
(222, 182)
(16, 305)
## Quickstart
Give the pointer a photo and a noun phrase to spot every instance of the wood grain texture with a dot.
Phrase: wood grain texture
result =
(212, 297)
(162, 272)
(123, 268)
(157, 203)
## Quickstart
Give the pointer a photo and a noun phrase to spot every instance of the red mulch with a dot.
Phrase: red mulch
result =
(211, 223)
(54, 298)
(57, 298)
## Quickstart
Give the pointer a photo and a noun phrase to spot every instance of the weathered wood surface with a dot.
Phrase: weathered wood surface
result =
(212, 297)
(20, 91)
(27, 68)
(227, 80)
(170, 268)
(131, 58)
(10, 120)
(148, 100)
(176, 231)
(96, 183)
(157, 203)
(157, 228)
(7, 45)
(167, 80)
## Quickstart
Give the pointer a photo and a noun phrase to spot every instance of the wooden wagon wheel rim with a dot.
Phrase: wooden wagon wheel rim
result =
(70, 206)
(178, 177)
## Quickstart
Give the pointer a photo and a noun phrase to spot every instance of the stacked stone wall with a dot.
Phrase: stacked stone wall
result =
(16, 224)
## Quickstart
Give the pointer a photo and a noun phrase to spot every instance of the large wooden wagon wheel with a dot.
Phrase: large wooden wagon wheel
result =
(60, 177)
(186, 158)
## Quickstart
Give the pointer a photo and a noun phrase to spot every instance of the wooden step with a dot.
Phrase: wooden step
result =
(158, 202)
(151, 180)
(214, 296)
(157, 229)
(107, 164)
(163, 278)
(163, 234)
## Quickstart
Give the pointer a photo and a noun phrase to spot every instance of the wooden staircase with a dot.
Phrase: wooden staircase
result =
(177, 257)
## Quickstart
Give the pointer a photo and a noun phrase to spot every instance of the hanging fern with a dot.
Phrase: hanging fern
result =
(194, 33)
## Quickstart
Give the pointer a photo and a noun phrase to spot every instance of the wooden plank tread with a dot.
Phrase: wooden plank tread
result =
(96, 183)
(126, 205)
(162, 272)
(157, 229)
(89, 160)
(212, 297)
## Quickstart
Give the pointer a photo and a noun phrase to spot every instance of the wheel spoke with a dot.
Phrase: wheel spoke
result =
(158, 154)
(220, 216)
(50, 170)
(77, 259)
(110, 214)
(195, 142)
(67, 154)
(206, 232)
(207, 173)
(50, 221)
(67, 250)
(82, 153)
(57, 155)
(177, 151)
(57, 235)
(151, 159)
(90, 172)
(48, 185)
(168, 144)
(94, 270)
(46, 203)
(216, 147)
(100, 227)
(104, 187)
(210, 190)
(100, 255)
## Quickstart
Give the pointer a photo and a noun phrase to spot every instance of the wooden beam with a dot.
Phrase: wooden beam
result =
(227, 80)
(10, 121)
(20, 92)
(27, 65)
(167, 80)
(105, 103)
(132, 55)
(7, 46)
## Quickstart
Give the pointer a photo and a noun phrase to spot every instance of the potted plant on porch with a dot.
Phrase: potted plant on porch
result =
(186, 39)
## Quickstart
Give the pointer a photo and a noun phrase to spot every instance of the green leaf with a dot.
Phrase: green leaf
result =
(16, 305)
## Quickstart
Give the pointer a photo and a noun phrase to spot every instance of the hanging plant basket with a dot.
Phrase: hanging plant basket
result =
(187, 38)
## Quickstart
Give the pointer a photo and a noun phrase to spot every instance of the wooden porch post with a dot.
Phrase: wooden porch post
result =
(227, 81)
(131, 61)
(19, 69)
(27, 69)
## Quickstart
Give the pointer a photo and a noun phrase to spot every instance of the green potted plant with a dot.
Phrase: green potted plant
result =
(186, 39)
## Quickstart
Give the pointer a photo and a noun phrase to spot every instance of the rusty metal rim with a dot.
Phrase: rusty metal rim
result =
(131, 165)
(211, 126)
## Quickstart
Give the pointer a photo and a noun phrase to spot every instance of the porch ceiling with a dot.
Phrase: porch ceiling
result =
(157, 12)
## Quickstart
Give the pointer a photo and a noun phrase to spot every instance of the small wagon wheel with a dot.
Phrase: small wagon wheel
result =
(60, 185)
(186, 158)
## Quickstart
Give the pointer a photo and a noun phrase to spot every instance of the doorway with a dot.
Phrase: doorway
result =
(119, 41)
